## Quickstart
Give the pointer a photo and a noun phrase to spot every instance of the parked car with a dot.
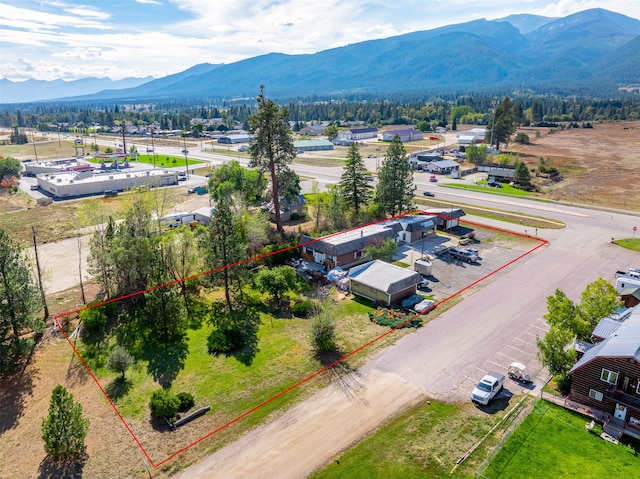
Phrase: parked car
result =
(110, 193)
(428, 193)
(371, 156)
(34, 187)
(433, 179)
(494, 185)
(488, 387)
(191, 190)
(182, 178)
(463, 255)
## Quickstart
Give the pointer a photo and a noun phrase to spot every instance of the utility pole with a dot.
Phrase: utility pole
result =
(39, 271)
(493, 120)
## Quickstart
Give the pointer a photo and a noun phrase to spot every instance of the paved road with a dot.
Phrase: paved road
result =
(495, 326)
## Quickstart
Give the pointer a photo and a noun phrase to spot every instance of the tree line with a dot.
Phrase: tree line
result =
(426, 112)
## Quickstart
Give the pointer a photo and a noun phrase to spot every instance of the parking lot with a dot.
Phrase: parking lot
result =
(449, 274)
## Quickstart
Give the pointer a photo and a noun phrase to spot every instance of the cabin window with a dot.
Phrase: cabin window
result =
(357, 254)
(609, 376)
(593, 394)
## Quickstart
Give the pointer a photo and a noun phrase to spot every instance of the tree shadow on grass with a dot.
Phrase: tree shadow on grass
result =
(15, 392)
(118, 388)
(165, 359)
(62, 468)
(343, 375)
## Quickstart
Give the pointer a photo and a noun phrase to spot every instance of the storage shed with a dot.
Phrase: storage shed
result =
(383, 282)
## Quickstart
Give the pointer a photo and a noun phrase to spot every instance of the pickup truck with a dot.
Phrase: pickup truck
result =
(490, 385)
(464, 255)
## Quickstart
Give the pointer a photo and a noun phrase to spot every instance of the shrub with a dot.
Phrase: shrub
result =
(323, 333)
(186, 401)
(295, 216)
(303, 309)
(94, 320)
(164, 404)
(224, 341)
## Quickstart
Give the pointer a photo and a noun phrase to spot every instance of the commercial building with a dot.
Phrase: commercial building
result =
(71, 184)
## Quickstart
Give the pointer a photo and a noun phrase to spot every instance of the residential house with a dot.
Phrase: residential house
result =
(406, 135)
(346, 249)
(607, 377)
(382, 282)
(287, 207)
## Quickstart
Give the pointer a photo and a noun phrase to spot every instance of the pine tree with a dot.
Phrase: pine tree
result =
(355, 183)
(272, 146)
(64, 429)
(395, 189)
(19, 303)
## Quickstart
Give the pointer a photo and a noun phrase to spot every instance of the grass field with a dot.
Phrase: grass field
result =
(231, 385)
(506, 190)
(553, 442)
(423, 443)
(159, 160)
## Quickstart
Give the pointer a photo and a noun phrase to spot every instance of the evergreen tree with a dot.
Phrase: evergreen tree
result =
(522, 174)
(395, 189)
(64, 429)
(355, 183)
(19, 303)
(226, 247)
(504, 124)
(272, 146)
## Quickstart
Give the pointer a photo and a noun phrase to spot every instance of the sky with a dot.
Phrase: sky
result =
(51, 39)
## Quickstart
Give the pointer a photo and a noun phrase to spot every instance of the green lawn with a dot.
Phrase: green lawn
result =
(160, 160)
(553, 442)
(630, 243)
(506, 190)
(232, 385)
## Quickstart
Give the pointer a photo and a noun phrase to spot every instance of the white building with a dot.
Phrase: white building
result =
(70, 184)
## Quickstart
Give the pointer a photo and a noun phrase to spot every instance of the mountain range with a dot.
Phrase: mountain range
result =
(591, 50)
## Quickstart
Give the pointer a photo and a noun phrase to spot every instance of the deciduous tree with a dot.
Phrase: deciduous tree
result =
(119, 360)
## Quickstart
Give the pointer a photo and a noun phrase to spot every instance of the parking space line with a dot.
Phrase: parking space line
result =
(513, 347)
(497, 364)
(509, 357)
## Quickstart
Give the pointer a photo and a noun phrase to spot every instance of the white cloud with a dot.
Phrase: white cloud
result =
(225, 32)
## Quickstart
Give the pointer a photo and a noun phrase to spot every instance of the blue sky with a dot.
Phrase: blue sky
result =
(51, 39)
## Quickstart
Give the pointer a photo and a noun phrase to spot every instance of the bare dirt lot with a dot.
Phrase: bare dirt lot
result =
(600, 165)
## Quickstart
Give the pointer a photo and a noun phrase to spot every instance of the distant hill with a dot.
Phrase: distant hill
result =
(594, 49)
(526, 23)
(37, 90)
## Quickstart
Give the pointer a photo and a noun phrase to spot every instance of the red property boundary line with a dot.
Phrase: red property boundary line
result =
(542, 243)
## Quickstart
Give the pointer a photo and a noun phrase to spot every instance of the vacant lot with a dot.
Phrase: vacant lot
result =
(599, 165)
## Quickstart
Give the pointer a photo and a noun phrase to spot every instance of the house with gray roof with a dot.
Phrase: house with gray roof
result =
(607, 376)
(358, 133)
(346, 249)
(383, 283)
